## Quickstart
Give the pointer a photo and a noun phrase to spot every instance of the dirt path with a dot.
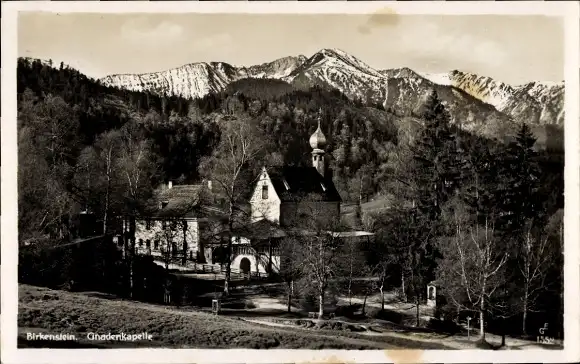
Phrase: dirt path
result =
(367, 333)
(451, 342)
(208, 330)
(325, 338)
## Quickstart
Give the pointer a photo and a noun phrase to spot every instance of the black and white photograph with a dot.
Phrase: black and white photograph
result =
(367, 180)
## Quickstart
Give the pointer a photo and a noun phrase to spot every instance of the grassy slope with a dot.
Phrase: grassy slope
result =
(49, 311)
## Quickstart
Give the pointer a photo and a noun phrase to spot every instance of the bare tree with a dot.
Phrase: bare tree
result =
(381, 272)
(352, 263)
(97, 174)
(473, 267)
(108, 145)
(137, 168)
(381, 258)
(230, 166)
(535, 262)
(168, 234)
(291, 265)
(47, 130)
(364, 177)
(320, 261)
(317, 230)
(400, 243)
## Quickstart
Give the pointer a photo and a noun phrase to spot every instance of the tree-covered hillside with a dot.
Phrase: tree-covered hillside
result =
(68, 123)
(490, 206)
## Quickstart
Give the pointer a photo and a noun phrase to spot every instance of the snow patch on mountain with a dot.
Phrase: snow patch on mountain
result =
(443, 79)
(196, 80)
(536, 102)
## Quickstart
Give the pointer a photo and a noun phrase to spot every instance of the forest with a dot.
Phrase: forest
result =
(482, 217)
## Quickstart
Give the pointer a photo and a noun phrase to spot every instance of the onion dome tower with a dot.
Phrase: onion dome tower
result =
(318, 143)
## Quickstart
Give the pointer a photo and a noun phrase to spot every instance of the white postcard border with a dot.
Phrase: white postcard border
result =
(571, 351)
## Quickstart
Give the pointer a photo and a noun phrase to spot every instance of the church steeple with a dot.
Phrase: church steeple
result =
(318, 143)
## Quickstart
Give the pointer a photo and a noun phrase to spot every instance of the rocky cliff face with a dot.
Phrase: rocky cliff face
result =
(534, 102)
(199, 79)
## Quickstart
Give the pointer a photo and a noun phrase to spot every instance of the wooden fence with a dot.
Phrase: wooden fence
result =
(235, 273)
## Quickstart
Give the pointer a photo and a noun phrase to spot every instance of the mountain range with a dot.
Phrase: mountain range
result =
(478, 102)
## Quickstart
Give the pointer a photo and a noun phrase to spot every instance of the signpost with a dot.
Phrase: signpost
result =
(468, 328)
(215, 306)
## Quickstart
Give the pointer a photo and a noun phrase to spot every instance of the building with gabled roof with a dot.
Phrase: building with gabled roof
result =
(285, 193)
(285, 201)
(169, 227)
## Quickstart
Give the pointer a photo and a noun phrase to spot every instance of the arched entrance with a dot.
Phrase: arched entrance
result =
(245, 265)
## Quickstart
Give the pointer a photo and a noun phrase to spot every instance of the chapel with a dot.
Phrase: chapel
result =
(285, 199)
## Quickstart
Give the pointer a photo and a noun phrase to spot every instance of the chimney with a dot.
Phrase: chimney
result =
(209, 185)
(170, 184)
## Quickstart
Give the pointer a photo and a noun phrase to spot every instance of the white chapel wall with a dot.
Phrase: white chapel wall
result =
(269, 208)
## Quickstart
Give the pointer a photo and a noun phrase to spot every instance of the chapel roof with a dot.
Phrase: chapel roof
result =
(296, 182)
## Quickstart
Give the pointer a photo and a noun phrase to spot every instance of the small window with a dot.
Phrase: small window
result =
(264, 192)
(148, 243)
(140, 243)
(156, 245)
(148, 225)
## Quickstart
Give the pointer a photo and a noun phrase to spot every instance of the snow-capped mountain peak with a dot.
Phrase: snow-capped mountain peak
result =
(540, 102)
(535, 102)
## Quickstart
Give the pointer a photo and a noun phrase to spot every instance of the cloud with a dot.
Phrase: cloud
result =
(220, 40)
(433, 39)
(383, 18)
(143, 32)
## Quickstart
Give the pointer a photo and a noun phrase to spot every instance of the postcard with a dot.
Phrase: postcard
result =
(260, 182)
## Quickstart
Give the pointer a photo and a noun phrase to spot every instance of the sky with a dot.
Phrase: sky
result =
(512, 49)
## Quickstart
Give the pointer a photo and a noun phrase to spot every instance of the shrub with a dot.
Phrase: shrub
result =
(446, 326)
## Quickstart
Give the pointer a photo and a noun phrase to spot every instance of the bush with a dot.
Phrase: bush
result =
(308, 301)
(445, 312)
(445, 326)
(339, 326)
(348, 310)
(389, 315)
